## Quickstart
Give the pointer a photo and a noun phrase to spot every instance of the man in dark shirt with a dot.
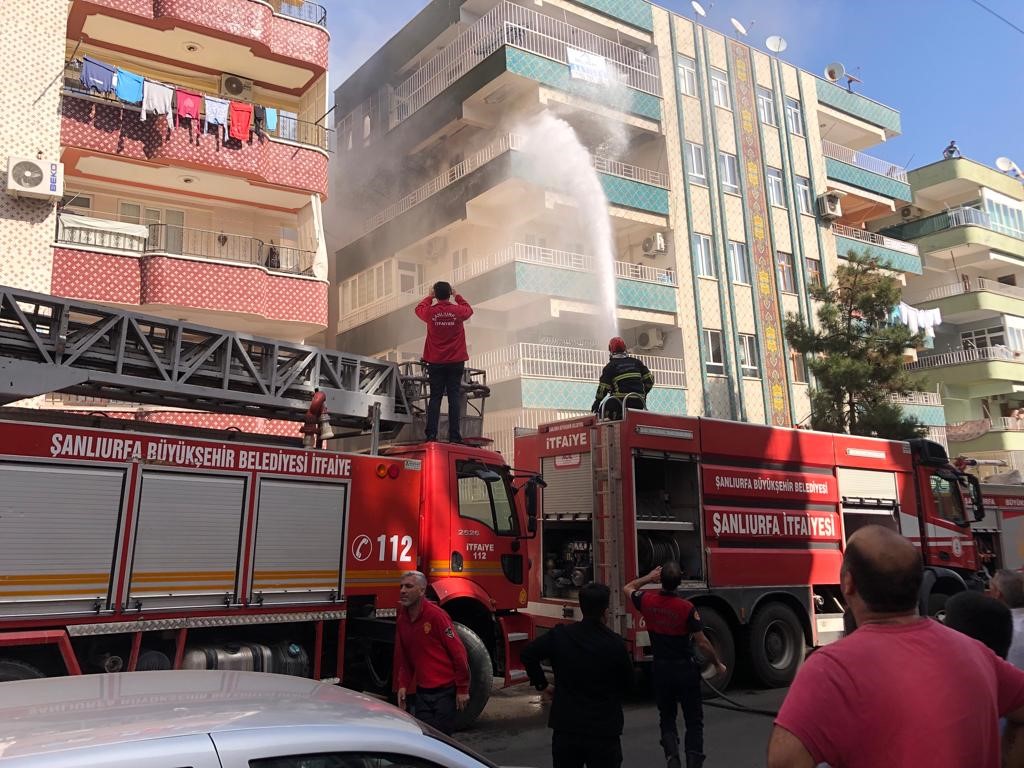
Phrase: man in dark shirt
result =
(675, 627)
(593, 672)
(625, 378)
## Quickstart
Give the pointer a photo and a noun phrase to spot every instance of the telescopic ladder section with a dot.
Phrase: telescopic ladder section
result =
(51, 344)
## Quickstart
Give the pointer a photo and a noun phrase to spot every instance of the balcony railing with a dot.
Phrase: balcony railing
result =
(961, 356)
(631, 172)
(554, 362)
(303, 10)
(520, 252)
(973, 285)
(514, 25)
(860, 160)
(954, 217)
(874, 239)
(972, 430)
(917, 398)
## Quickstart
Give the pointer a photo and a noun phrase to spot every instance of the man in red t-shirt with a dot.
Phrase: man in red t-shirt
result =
(444, 352)
(900, 690)
(429, 656)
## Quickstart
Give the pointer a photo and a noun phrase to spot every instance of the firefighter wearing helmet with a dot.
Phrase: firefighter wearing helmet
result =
(625, 380)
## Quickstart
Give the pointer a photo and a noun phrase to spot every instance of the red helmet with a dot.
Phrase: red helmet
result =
(617, 345)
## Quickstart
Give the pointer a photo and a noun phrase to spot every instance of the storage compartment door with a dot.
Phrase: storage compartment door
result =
(300, 542)
(186, 540)
(58, 537)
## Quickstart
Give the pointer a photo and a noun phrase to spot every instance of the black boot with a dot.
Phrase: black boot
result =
(671, 746)
(694, 760)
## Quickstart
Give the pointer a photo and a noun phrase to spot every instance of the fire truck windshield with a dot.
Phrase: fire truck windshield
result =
(948, 498)
(485, 496)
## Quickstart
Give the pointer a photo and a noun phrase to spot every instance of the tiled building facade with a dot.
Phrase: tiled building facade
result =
(715, 159)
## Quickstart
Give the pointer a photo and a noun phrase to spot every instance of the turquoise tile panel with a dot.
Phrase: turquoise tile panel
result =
(897, 260)
(556, 75)
(633, 194)
(635, 12)
(932, 415)
(873, 182)
(858, 106)
(583, 286)
(579, 396)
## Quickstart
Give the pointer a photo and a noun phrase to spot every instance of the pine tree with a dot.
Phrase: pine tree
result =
(856, 354)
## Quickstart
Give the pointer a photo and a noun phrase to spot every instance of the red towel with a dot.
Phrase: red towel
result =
(239, 120)
(188, 105)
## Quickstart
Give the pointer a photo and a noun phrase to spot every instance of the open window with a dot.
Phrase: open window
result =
(486, 496)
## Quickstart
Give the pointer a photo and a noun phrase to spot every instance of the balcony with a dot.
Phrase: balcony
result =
(564, 378)
(275, 41)
(634, 12)
(971, 373)
(858, 106)
(962, 227)
(891, 253)
(865, 172)
(280, 169)
(926, 407)
(974, 298)
(1000, 433)
(538, 270)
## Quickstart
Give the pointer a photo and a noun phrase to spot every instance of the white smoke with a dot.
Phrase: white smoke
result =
(561, 162)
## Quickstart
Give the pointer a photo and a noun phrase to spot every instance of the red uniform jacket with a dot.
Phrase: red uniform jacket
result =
(428, 652)
(446, 337)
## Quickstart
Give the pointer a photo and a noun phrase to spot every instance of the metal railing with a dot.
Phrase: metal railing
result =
(547, 361)
(954, 217)
(917, 398)
(861, 160)
(969, 284)
(303, 10)
(631, 172)
(961, 356)
(964, 431)
(95, 236)
(206, 244)
(514, 25)
(875, 239)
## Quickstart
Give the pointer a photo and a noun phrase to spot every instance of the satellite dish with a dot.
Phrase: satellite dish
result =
(834, 71)
(1004, 164)
(776, 44)
(738, 27)
(698, 8)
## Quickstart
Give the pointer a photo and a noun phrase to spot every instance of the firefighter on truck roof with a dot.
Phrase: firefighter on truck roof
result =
(625, 380)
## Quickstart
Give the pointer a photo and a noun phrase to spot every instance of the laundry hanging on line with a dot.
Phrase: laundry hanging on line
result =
(97, 75)
(130, 86)
(240, 120)
(918, 320)
(188, 105)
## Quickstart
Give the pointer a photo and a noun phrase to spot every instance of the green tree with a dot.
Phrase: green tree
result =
(856, 354)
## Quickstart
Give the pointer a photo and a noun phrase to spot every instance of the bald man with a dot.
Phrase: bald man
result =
(901, 689)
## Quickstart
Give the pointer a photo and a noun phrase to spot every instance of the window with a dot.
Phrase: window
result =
(687, 75)
(776, 195)
(1007, 279)
(728, 173)
(410, 277)
(76, 200)
(460, 258)
(1006, 219)
(740, 262)
(948, 499)
(749, 364)
(714, 358)
(765, 105)
(794, 117)
(799, 367)
(484, 496)
(367, 287)
(813, 272)
(170, 237)
(787, 278)
(983, 337)
(804, 199)
(698, 169)
(702, 255)
(720, 89)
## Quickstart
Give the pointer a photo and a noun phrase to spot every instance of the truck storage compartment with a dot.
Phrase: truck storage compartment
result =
(568, 558)
(667, 503)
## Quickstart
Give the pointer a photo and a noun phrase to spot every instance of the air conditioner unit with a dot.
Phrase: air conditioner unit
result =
(650, 338)
(436, 247)
(28, 177)
(654, 244)
(910, 212)
(235, 87)
(828, 205)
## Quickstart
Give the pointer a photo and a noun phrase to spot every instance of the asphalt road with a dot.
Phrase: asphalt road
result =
(512, 731)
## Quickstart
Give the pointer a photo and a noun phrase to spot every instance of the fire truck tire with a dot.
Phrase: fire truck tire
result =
(11, 670)
(937, 605)
(719, 633)
(481, 672)
(776, 645)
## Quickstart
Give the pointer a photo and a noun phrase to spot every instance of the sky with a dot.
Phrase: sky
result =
(951, 68)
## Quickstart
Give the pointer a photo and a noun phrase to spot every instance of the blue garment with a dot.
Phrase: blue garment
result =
(129, 86)
(97, 76)
(271, 119)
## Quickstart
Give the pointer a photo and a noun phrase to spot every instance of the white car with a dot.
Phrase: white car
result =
(210, 719)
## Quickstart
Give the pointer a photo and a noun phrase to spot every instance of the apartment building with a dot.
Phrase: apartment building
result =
(733, 181)
(967, 220)
(168, 209)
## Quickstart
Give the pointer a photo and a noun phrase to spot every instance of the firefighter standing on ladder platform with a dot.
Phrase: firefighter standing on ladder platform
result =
(625, 380)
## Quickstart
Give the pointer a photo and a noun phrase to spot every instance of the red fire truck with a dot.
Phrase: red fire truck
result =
(124, 549)
(757, 516)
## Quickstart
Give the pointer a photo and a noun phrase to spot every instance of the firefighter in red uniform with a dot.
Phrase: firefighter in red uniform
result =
(444, 352)
(430, 656)
(675, 628)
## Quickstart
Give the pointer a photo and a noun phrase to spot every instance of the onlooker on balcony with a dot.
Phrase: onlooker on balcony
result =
(444, 352)
(951, 151)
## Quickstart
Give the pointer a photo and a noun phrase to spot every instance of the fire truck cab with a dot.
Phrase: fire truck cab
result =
(757, 517)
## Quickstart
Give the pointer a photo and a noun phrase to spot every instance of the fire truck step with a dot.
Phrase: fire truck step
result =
(518, 637)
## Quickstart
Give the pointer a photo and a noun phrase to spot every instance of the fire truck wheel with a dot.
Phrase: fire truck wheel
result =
(776, 645)
(718, 632)
(937, 605)
(11, 670)
(481, 672)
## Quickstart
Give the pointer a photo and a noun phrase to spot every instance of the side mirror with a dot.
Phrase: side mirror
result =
(532, 499)
(482, 472)
(977, 498)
